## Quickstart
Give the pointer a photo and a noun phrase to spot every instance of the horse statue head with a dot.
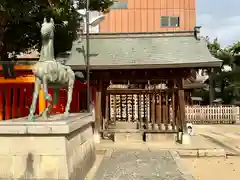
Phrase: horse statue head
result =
(47, 32)
(47, 29)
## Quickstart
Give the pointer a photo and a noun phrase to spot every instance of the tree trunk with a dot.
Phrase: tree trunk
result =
(8, 68)
(3, 23)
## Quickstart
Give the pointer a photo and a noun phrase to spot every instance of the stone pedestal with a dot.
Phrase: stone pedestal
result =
(128, 137)
(57, 149)
(186, 139)
(161, 137)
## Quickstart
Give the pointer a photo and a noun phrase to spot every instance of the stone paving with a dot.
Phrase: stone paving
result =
(138, 165)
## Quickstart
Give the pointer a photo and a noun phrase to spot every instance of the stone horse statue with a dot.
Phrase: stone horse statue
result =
(50, 73)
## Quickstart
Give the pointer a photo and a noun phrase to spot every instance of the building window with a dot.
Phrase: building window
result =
(169, 21)
(120, 5)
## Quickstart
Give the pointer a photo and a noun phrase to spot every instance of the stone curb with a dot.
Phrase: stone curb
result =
(103, 154)
(185, 173)
(225, 145)
(201, 152)
(204, 152)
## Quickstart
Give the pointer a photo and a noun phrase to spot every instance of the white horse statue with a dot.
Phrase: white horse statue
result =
(50, 73)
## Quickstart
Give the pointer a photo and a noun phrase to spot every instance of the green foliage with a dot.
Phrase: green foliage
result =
(228, 82)
(98, 5)
(21, 22)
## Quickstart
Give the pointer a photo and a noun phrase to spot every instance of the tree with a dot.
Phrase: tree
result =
(20, 23)
(227, 81)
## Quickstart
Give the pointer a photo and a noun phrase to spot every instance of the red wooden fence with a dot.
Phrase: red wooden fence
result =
(16, 99)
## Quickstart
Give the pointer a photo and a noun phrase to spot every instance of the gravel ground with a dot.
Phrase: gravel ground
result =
(213, 168)
(138, 165)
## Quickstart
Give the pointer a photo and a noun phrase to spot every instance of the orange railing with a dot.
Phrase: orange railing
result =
(16, 99)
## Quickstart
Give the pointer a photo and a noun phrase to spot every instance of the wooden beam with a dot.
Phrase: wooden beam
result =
(137, 91)
(139, 97)
(167, 111)
(140, 75)
(182, 107)
(153, 110)
(107, 110)
(174, 103)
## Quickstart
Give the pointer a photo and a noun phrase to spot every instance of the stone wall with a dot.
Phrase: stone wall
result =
(53, 150)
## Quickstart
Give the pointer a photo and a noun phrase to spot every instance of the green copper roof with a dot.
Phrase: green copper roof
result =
(143, 50)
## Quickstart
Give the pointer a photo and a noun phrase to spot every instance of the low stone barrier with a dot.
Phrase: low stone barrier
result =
(58, 149)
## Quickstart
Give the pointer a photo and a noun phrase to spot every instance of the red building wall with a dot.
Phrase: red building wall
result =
(145, 16)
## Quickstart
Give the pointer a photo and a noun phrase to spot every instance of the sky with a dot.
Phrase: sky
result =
(219, 18)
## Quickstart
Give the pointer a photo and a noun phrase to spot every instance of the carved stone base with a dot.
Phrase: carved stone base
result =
(56, 149)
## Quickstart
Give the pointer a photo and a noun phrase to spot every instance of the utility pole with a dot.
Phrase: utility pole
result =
(87, 56)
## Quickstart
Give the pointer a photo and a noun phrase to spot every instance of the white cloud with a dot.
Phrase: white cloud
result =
(226, 29)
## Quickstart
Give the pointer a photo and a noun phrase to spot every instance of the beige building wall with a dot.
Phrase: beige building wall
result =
(145, 16)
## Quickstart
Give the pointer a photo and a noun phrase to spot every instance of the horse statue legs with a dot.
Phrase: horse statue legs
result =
(56, 97)
(34, 99)
(48, 97)
(70, 91)
(45, 113)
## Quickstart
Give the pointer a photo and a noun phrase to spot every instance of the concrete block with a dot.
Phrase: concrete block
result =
(161, 137)
(38, 145)
(126, 125)
(211, 153)
(6, 164)
(188, 152)
(55, 149)
(128, 137)
(186, 139)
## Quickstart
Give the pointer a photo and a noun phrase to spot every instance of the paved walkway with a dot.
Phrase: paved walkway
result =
(138, 165)
(227, 136)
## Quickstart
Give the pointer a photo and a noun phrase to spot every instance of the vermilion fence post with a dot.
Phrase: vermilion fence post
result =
(79, 99)
(73, 103)
(77, 94)
(21, 101)
(1, 104)
(50, 91)
(8, 103)
(28, 98)
(14, 102)
(62, 100)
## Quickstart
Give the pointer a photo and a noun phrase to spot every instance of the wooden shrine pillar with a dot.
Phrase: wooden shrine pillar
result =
(174, 107)
(181, 102)
(211, 86)
(98, 114)
(106, 104)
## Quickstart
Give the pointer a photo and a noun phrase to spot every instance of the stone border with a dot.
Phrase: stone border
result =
(56, 125)
(185, 173)
(201, 152)
(104, 153)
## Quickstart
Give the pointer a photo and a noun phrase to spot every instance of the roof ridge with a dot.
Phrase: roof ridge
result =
(141, 34)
